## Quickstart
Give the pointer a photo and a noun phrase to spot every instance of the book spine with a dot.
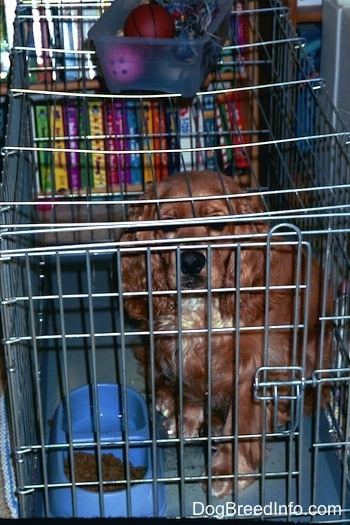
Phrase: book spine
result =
(119, 127)
(226, 59)
(220, 130)
(90, 14)
(111, 145)
(73, 158)
(160, 142)
(147, 134)
(239, 31)
(156, 139)
(70, 41)
(172, 125)
(240, 154)
(59, 143)
(28, 34)
(97, 144)
(132, 130)
(53, 41)
(223, 129)
(84, 144)
(163, 143)
(185, 136)
(209, 130)
(126, 144)
(41, 44)
(198, 138)
(42, 132)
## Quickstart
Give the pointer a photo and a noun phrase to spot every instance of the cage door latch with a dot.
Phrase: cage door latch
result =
(282, 387)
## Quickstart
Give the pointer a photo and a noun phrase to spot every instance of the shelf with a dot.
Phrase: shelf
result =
(309, 14)
(303, 14)
(96, 85)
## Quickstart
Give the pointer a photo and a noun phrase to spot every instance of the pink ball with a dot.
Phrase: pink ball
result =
(125, 63)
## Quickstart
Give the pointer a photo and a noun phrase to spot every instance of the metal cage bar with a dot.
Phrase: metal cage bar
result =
(63, 291)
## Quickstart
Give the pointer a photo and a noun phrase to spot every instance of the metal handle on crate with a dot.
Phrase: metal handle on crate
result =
(277, 391)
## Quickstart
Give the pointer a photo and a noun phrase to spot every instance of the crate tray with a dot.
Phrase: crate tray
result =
(317, 483)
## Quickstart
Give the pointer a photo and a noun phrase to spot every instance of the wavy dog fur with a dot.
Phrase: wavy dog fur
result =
(231, 400)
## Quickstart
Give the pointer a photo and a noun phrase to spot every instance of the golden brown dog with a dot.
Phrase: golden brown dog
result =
(207, 270)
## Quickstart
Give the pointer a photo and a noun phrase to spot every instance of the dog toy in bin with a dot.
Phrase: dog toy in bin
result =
(185, 19)
(126, 63)
(192, 17)
(164, 45)
(151, 21)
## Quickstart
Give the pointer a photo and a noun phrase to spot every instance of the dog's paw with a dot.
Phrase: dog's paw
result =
(222, 479)
(220, 488)
(190, 427)
(170, 426)
(165, 403)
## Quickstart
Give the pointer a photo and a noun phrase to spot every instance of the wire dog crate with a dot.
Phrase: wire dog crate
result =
(73, 380)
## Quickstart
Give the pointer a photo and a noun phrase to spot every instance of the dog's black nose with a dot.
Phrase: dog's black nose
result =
(192, 262)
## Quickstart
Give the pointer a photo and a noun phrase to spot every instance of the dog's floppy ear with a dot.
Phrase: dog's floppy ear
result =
(248, 260)
(143, 271)
(144, 211)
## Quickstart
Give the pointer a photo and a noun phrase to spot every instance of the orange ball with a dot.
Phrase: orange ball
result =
(150, 21)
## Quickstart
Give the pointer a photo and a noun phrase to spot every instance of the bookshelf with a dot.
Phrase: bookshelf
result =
(57, 84)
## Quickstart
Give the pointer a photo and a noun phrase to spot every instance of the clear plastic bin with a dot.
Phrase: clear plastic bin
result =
(156, 64)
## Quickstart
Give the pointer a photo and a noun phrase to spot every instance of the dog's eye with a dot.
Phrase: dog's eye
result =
(168, 229)
(217, 227)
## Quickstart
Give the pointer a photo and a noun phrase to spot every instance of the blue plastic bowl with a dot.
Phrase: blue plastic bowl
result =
(83, 435)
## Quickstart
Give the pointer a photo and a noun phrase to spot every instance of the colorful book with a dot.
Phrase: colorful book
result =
(119, 130)
(58, 142)
(147, 142)
(185, 136)
(134, 160)
(237, 124)
(69, 24)
(28, 35)
(90, 13)
(111, 146)
(159, 140)
(73, 157)
(54, 41)
(173, 139)
(42, 132)
(96, 118)
(41, 45)
(239, 23)
(224, 129)
(226, 59)
(198, 137)
(84, 143)
(209, 124)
